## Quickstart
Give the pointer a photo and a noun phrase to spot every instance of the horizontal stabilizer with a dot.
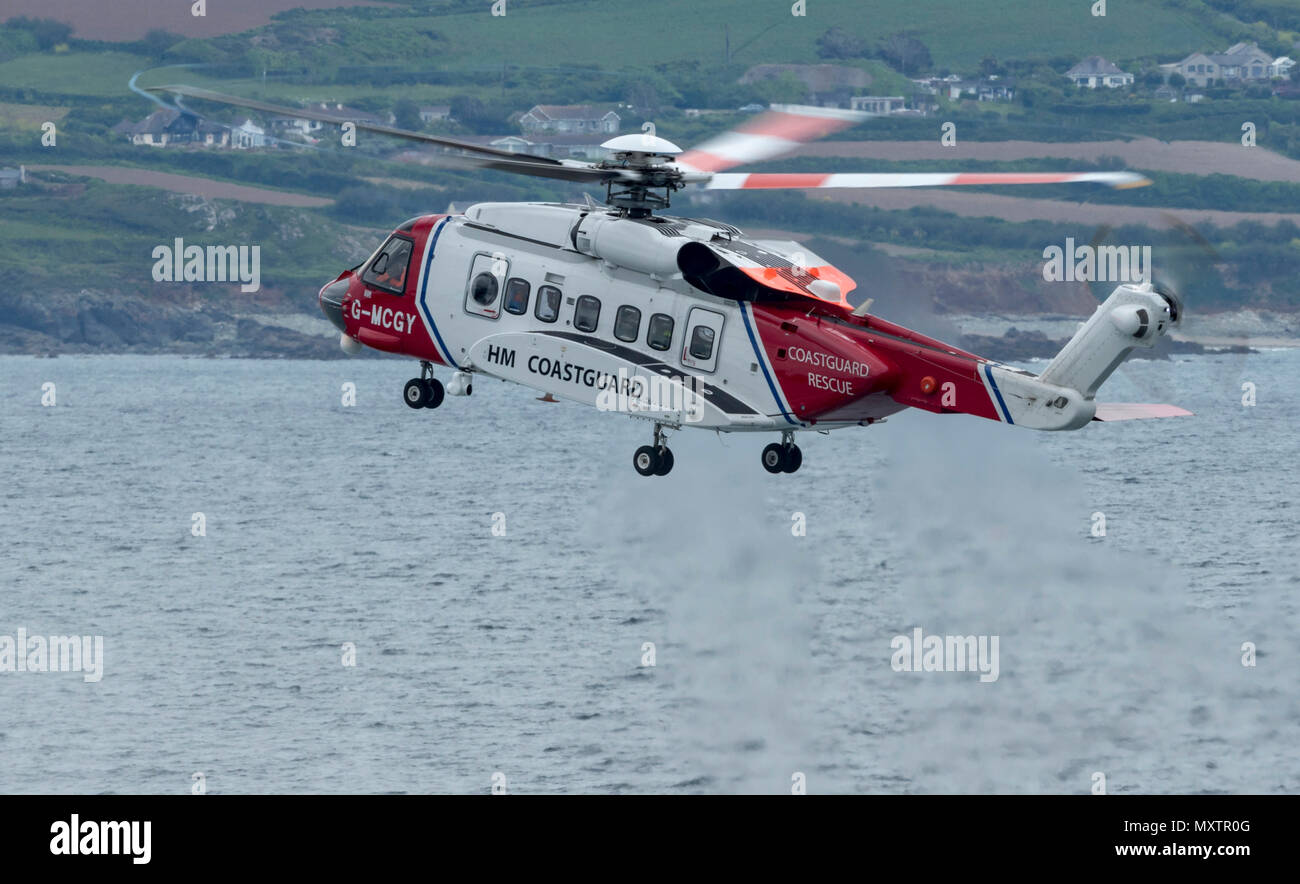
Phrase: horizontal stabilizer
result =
(1133, 411)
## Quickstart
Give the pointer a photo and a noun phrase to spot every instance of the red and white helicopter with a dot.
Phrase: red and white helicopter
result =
(686, 322)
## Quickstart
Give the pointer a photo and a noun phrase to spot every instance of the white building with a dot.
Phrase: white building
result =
(1095, 71)
(877, 104)
(248, 134)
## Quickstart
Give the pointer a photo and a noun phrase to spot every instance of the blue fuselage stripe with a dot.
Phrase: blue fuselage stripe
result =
(762, 363)
(424, 289)
(988, 373)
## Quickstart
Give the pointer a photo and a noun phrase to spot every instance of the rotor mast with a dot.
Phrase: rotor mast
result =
(649, 177)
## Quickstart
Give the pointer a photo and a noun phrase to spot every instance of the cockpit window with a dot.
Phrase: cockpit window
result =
(388, 269)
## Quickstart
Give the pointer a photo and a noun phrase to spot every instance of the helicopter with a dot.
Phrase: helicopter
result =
(686, 322)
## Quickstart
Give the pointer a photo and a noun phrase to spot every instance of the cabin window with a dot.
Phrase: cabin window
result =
(660, 334)
(703, 328)
(702, 342)
(517, 296)
(586, 315)
(487, 278)
(627, 323)
(483, 289)
(548, 303)
(388, 268)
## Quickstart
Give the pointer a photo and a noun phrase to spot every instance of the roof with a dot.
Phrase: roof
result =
(1236, 54)
(158, 123)
(1244, 49)
(569, 112)
(592, 139)
(11, 173)
(1093, 66)
(342, 110)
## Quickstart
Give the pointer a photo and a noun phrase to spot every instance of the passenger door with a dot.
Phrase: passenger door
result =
(702, 339)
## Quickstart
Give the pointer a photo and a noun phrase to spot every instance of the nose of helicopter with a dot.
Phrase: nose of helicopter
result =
(331, 302)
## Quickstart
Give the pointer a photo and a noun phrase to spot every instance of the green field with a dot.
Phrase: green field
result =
(632, 34)
(73, 73)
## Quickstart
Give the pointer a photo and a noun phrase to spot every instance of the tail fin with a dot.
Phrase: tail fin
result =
(1061, 398)
(1133, 316)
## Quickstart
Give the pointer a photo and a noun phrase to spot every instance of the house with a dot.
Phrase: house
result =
(1245, 61)
(211, 134)
(511, 143)
(435, 113)
(576, 147)
(169, 127)
(1241, 61)
(1280, 69)
(995, 89)
(877, 104)
(990, 89)
(247, 134)
(162, 127)
(11, 178)
(568, 119)
(1096, 71)
(294, 126)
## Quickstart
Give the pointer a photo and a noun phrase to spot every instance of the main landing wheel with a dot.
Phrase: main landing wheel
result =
(646, 460)
(665, 461)
(416, 393)
(436, 393)
(782, 457)
(656, 459)
(423, 393)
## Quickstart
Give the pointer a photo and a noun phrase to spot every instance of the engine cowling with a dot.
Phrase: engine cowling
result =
(628, 243)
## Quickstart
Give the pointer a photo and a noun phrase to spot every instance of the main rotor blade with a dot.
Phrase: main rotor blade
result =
(786, 180)
(776, 132)
(570, 170)
(338, 119)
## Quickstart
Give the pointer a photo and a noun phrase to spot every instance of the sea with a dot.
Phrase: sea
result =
(302, 592)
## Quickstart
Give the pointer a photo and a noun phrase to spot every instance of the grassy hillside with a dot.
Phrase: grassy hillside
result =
(621, 33)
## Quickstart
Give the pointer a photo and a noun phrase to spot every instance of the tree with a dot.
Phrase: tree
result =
(1177, 80)
(48, 32)
(839, 43)
(157, 41)
(642, 96)
(990, 67)
(906, 53)
(406, 114)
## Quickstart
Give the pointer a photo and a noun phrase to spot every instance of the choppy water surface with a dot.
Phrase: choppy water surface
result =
(522, 653)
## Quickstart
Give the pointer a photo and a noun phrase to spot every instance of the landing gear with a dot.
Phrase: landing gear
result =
(426, 391)
(783, 456)
(656, 459)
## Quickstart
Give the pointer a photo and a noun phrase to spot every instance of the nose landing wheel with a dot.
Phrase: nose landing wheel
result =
(783, 456)
(656, 459)
(426, 391)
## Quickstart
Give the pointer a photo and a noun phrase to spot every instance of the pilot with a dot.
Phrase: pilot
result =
(394, 273)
